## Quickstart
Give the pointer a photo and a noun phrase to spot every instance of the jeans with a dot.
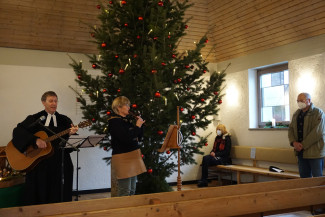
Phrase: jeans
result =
(126, 187)
(310, 167)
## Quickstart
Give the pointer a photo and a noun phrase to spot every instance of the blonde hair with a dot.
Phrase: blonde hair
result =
(222, 128)
(119, 102)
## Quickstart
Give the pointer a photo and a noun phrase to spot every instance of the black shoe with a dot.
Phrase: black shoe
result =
(318, 211)
(202, 183)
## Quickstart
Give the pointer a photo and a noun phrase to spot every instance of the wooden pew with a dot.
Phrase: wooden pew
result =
(269, 197)
(270, 156)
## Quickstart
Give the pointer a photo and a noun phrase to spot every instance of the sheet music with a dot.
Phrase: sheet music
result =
(85, 142)
(92, 141)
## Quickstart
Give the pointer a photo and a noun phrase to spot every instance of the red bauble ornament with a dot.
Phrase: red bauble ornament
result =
(122, 2)
(179, 80)
(187, 66)
(181, 109)
(110, 2)
(193, 133)
(167, 152)
(161, 3)
(93, 120)
(204, 71)
(140, 18)
(168, 36)
(188, 89)
(138, 36)
(98, 6)
(163, 64)
(157, 94)
(110, 75)
(202, 100)
(94, 66)
(149, 171)
(121, 71)
(220, 101)
(153, 71)
(160, 132)
(193, 117)
(186, 26)
(134, 106)
(155, 38)
(108, 112)
(116, 56)
(142, 155)
(104, 90)
(174, 56)
(126, 24)
(118, 90)
(103, 44)
(215, 93)
(135, 56)
(79, 77)
(206, 144)
(105, 148)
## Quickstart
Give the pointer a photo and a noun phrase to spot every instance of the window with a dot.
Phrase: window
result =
(273, 94)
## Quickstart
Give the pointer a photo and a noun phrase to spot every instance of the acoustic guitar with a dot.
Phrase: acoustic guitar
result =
(32, 156)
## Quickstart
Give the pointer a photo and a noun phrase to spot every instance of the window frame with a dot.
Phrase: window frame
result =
(259, 73)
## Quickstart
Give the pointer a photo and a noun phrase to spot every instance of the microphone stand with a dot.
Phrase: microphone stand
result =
(61, 146)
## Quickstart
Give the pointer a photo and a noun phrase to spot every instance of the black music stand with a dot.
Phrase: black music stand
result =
(88, 142)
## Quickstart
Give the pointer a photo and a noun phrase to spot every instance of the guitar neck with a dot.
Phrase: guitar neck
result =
(80, 125)
(51, 138)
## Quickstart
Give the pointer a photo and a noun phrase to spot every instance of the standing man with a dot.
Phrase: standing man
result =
(43, 182)
(307, 134)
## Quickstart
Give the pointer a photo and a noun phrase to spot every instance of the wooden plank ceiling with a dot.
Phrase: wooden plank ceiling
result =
(235, 27)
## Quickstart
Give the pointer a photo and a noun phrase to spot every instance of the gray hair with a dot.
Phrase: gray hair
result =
(307, 95)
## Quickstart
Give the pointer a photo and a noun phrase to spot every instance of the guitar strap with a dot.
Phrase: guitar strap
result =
(114, 117)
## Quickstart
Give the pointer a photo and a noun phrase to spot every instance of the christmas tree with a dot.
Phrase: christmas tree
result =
(138, 58)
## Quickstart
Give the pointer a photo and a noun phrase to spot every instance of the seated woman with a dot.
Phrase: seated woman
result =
(220, 153)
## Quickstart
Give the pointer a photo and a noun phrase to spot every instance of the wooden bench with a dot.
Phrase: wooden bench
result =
(255, 157)
(252, 200)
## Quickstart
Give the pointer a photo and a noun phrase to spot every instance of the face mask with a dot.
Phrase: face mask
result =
(302, 105)
(219, 133)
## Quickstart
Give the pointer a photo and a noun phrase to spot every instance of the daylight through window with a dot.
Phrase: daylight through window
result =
(273, 85)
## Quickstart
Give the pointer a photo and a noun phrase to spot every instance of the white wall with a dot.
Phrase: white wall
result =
(306, 73)
(26, 74)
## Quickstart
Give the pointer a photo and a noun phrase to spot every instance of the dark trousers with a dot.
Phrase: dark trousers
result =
(207, 161)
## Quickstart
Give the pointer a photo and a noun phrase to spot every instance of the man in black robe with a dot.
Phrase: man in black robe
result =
(43, 182)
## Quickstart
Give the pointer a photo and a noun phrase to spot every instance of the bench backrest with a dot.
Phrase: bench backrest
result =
(279, 155)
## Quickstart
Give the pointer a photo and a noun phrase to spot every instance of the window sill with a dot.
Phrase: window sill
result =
(270, 129)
